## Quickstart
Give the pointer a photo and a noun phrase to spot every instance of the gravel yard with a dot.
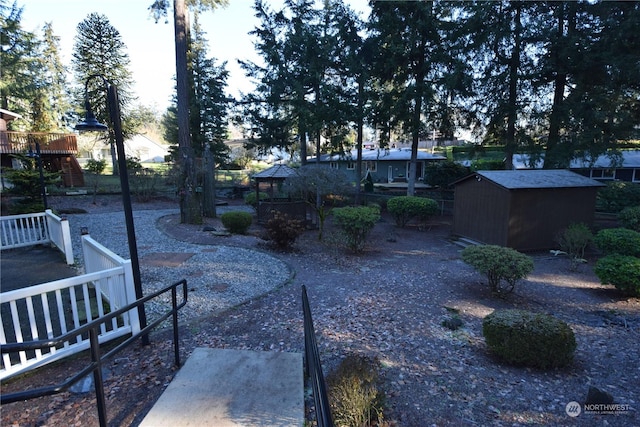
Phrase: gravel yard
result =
(388, 303)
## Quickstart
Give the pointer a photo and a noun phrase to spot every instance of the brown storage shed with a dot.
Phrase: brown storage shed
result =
(522, 209)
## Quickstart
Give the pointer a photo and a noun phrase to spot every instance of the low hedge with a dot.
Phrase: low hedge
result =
(524, 338)
(356, 223)
(630, 218)
(499, 264)
(622, 241)
(405, 208)
(236, 222)
(621, 271)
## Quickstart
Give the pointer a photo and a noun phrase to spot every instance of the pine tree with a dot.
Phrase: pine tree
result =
(17, 52)
(50, 104)
(409, 52)
(99, 50)
(208, 115)
(190, 206)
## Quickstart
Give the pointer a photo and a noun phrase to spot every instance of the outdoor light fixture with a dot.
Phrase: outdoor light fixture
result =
(38, 157)
(91, 124)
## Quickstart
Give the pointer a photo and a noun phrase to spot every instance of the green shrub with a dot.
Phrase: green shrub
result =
(574, 240)
(251, 198)
(283, 230)
(405, 208)
(618, 195)
(621, 241)
(356, 223)
(498, 264)
(353, 393)
(530, 339)
(630, 218)
(236, 222)
(621, 271)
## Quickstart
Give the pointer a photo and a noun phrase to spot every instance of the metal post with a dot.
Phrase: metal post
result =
(114, 112)
(97, 377)
(43, 189)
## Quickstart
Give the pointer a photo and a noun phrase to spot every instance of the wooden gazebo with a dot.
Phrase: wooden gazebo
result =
(270, 181)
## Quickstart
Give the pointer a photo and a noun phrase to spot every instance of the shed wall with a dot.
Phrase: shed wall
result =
(481, 211)
(538, 215)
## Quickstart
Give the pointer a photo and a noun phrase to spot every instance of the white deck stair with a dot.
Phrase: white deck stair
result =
(227, 388)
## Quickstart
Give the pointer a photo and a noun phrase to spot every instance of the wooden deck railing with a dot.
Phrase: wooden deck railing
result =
(50, 143)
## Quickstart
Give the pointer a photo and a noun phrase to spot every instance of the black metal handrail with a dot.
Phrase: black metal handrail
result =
(313, 368)
(96, 359)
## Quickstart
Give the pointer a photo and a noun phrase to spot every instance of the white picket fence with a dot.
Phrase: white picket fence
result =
(18, 231)
(52, 309)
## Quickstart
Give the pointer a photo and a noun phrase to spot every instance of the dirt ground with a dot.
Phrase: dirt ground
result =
(388, 303)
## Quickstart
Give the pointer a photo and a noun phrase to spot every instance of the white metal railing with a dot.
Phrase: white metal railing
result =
(99, 258)
(52, 309)
(55, 308)
(23, 230)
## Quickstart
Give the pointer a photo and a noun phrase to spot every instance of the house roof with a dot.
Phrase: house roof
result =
(627, 159)
(378, 154)
(9, 115)
(538, 178)
(275, 172)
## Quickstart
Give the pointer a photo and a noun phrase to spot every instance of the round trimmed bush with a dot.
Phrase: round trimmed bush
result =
(405, 208)
(621, 271)
(356, 223)
(618, 241)
(630, 218)
(236, 222)
(524, 338)
(498, 264)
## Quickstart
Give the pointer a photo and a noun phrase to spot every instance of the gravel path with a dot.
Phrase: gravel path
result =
(218, 276)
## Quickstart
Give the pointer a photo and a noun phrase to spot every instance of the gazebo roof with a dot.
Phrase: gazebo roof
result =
(275, 172)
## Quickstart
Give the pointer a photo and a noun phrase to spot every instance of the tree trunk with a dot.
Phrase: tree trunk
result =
(553, 158)
(115, 171)
(359, 142)
(190, 212)
(512, 106)
(209, 191)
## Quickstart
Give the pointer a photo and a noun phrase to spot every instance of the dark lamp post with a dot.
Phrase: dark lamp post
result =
(92, 125)
(38, 157)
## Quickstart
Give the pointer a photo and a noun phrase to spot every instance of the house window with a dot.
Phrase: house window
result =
(334, 165)
(636, 175)
(351, 166)
(372, 166)
(603, 173)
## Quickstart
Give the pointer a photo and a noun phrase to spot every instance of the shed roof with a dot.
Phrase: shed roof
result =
(275, 172)
(539, 178)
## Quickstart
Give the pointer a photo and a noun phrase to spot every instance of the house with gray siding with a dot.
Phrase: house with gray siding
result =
(384, 165)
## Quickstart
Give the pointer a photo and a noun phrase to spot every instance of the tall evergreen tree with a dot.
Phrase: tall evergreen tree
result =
(409, 52)
(208, 115)
(190, 206)
(99, 50)
(504, 37)
(50, 104)
(17, 52)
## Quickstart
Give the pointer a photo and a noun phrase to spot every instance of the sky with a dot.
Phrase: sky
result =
(150, 45)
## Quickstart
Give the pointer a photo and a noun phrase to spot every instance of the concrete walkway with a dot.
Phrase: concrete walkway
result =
(228, 388)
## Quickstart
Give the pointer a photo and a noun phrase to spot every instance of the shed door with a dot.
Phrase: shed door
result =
(390, 174)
